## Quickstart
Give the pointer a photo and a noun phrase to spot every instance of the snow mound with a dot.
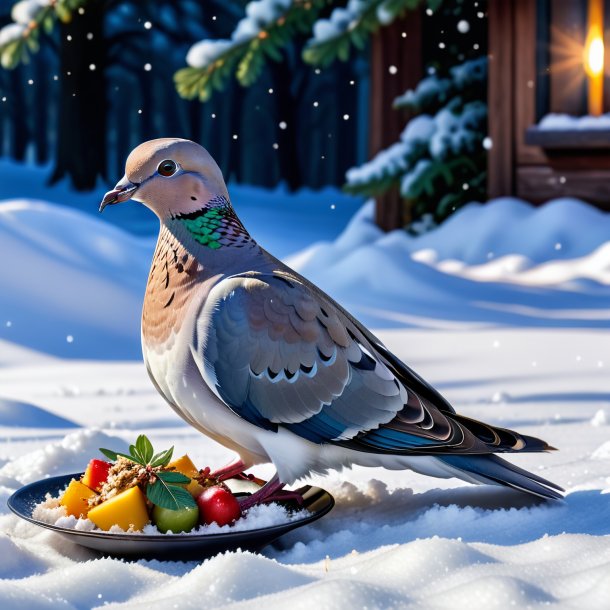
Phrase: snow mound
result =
(72, 285)
(505, 262)
(71, 454)
(20, 414)
(561, 229)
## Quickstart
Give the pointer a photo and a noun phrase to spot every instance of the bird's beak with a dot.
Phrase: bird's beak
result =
(123, 191)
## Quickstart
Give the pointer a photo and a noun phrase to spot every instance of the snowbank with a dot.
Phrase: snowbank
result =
(393, 539)
(72, 285)
(504, 262)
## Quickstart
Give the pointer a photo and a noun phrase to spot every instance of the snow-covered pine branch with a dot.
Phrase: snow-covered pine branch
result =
(352, 25)
(438, 163)
(468, 80)
(386, 168)
(29, 16)
(267, 27)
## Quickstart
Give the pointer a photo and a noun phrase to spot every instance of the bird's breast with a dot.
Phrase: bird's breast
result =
(172, 282)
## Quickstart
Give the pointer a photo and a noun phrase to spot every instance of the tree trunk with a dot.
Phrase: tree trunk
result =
(390, 48)
(81, 139)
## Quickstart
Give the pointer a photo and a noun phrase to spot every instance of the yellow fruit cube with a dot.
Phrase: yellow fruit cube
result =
(185, 466)
(194, 488)
(127, 510)
(76, 497)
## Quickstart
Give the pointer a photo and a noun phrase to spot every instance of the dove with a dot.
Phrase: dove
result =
(261, 360)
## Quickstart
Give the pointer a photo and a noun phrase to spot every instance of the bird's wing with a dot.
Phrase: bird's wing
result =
(278, 352)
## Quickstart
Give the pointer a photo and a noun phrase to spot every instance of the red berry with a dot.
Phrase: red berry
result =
(219, 505)
(96, 474)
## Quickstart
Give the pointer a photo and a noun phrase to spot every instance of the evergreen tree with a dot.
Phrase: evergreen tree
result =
(439, 162)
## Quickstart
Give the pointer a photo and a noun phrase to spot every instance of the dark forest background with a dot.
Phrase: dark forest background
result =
(104, 83)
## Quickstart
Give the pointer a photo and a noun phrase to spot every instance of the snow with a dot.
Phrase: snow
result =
(11, 32)
(457, 133)
(521, 345)
(337, 24)
(26, 11)
(83, 270)
(257, 517)
(396, 159)
(71, 258)
(513, 273)
(204, 52)
(456, 129)
(556, 121)
(260, 14)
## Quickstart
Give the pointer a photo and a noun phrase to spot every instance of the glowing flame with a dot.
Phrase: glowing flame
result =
(594, 55)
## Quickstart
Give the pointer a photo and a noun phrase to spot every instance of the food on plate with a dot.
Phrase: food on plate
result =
(76, 499)
(96, 474)
(127, 509)
(218, 505)
(185, 466)
(136, 488)
(177, 521)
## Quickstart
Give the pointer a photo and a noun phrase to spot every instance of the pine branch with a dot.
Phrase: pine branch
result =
(353, 25)
(255, 39)
(22, 37)
(439, 161)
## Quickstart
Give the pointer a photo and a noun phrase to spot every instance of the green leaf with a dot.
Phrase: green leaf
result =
(163, 458)
(137, 457)
(173, 477)
(145, 448)
(111, 455)
(169, 496)
(131, 458)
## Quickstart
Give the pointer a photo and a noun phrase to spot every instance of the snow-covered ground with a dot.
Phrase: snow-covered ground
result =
(504, 309)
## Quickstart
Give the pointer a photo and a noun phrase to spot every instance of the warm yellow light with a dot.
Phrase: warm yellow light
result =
(594, 56)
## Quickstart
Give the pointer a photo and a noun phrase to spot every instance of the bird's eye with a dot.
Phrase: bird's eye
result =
(167, 168)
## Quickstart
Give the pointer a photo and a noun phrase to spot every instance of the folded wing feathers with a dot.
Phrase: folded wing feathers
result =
(282, 355)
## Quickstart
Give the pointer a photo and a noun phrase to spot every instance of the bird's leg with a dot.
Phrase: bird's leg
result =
(270, 492)
(232, 469)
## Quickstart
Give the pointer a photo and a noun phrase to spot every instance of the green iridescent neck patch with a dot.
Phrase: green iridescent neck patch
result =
(215, 225)
(204, 228)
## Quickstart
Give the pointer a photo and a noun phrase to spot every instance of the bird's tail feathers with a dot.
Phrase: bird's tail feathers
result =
(495, 470)
(502, 440)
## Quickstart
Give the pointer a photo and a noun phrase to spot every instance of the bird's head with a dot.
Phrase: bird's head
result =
(170, 176)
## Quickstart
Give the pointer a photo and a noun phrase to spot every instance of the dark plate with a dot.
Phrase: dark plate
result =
(316, 501)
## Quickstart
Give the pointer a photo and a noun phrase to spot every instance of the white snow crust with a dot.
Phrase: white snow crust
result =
(259, 15)
(557, 121)
(504, 309)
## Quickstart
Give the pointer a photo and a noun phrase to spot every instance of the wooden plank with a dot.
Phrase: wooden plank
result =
(500, 84)
(568, 90)
(539, 184)
(525, 80)
(565, 139)
(390, 48)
